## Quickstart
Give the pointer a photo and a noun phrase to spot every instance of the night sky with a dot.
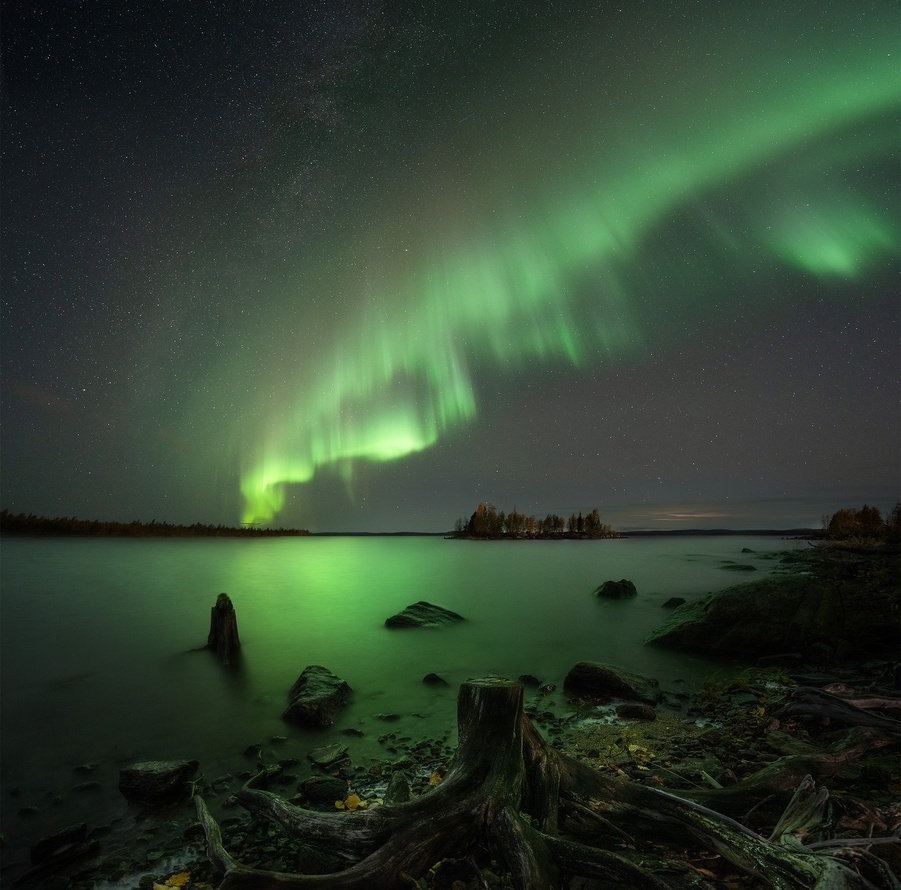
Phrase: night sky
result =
(361, 265)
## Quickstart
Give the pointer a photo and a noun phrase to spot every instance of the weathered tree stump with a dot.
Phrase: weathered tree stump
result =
(223, 638)
(542, 814)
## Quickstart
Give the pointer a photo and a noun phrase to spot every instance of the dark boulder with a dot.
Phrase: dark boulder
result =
(674, 601)
(317, 697)
(156, 783)
(616, 590)
(423, 614)
(434, 680)
(738, 567)
(56, 846)
(605, 682)
(792, 613)
(634, 710)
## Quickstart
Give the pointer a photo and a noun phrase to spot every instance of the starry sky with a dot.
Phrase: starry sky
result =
(361, 264)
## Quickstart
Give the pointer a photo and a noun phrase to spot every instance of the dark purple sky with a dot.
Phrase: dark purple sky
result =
(349, 266)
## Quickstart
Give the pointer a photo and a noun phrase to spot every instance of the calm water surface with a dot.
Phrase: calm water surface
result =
(96, 640)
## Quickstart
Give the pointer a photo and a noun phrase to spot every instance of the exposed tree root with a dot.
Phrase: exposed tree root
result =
(539, 812)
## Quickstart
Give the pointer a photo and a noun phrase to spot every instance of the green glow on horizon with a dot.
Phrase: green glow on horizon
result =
(498, 291)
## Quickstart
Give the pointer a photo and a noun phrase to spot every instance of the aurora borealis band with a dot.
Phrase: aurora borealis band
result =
(352, 261)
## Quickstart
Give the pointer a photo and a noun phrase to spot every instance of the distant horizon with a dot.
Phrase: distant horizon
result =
(737, 516)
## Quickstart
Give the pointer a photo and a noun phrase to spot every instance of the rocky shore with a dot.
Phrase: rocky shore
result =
(745, 720)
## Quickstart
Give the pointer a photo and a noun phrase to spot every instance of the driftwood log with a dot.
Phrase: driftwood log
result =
(509, 796)
(223, 638)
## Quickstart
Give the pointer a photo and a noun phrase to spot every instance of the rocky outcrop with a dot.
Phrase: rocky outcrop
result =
(156, 783)
(317, 697)
(829, 604)
(616, 590)
(605, 682)
(423, 614)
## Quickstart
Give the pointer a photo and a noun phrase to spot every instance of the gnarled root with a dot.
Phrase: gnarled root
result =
(538, 811)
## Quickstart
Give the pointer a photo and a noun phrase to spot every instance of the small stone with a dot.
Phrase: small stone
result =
(529, 680)
(398, 790)
(674, 601)
(387, 718)
(328, 754)
(86, 786)
(278, 739)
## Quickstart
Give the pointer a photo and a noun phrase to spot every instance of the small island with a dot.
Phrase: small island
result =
(487, 523)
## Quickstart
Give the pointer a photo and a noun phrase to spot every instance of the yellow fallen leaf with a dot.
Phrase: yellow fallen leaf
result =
(339, 804)
(159, 886)
(179, 879)
(435, 778)
(352, 801)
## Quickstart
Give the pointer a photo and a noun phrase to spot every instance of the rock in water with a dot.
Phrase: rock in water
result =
(423, 614)
(156, 783)
(616, 590)
(768, 617)
(605, 682)
(316, 697)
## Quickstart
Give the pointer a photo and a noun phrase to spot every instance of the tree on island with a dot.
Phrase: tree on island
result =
(487, 522)
(29, 524)
(863, 525)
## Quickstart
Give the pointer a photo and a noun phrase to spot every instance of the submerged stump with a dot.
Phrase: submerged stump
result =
(509, 796)
(223, 638)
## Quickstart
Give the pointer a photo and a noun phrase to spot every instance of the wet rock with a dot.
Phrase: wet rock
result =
(323, 790)
(398, 790)
(423, 614)
(738, 567)
(605, 682)
(674, 601)
(616, 590)
(766, 617)
(434, 680)
(328, 754)
(387, 718)
(529, 680)
(56, 845)
(635, 711)
(86, 786)
(316, 697)
(157, 782)
(746, 550)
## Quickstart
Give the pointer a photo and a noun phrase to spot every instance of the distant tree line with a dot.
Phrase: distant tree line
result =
(29, 524)
(487, 522)
(866, 524)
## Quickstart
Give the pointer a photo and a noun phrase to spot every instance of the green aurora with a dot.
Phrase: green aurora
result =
(523, 242)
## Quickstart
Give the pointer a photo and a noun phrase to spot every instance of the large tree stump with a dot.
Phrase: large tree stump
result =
(223, 638)
(509, 795)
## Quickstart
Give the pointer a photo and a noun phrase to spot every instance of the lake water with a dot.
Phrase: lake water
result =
(96, 639)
